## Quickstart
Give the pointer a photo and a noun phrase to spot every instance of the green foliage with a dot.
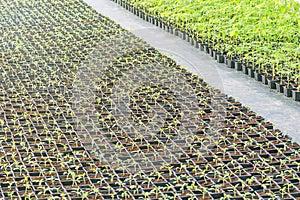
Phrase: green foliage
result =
(263, 32)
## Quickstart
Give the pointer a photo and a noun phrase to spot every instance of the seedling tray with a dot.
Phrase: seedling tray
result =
(89, 111)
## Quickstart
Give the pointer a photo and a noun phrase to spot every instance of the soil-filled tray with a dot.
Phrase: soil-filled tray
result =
(89, 111)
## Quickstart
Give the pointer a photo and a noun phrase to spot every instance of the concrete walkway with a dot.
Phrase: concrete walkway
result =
(283, 111)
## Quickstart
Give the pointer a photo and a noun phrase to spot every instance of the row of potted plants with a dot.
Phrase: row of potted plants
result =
(250, 34)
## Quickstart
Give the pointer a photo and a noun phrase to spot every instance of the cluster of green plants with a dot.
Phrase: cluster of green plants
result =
(262, 34)
(89, 111)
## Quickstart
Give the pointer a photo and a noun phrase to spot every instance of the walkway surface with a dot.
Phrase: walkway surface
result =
(284, 112)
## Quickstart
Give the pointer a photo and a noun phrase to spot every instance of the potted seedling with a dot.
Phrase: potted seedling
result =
(288, 87)
(296, 91)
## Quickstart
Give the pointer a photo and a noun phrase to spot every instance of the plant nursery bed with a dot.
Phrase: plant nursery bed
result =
(89, 111)
(251, 37)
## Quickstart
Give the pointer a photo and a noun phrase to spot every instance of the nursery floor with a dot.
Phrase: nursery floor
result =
(283, 111)
(90, 111)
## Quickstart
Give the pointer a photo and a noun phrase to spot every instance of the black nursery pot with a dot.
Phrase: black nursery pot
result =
(272, 83)
(250, 72)
(206, 49)
(193, 42)
(256, 187)
(264, 79)
(279, 87)
(184, 36)
(238, 66)
(230, 63)
(296, 95)
(220, 58)
(188, 38)
(287, 91)
(257, 76)
(202, 47)
(171, 30)
(245, 69)
(215, 54)
(211, 52)
(217, 195)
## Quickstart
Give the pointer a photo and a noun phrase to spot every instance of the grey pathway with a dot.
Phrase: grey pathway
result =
(284, 112)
